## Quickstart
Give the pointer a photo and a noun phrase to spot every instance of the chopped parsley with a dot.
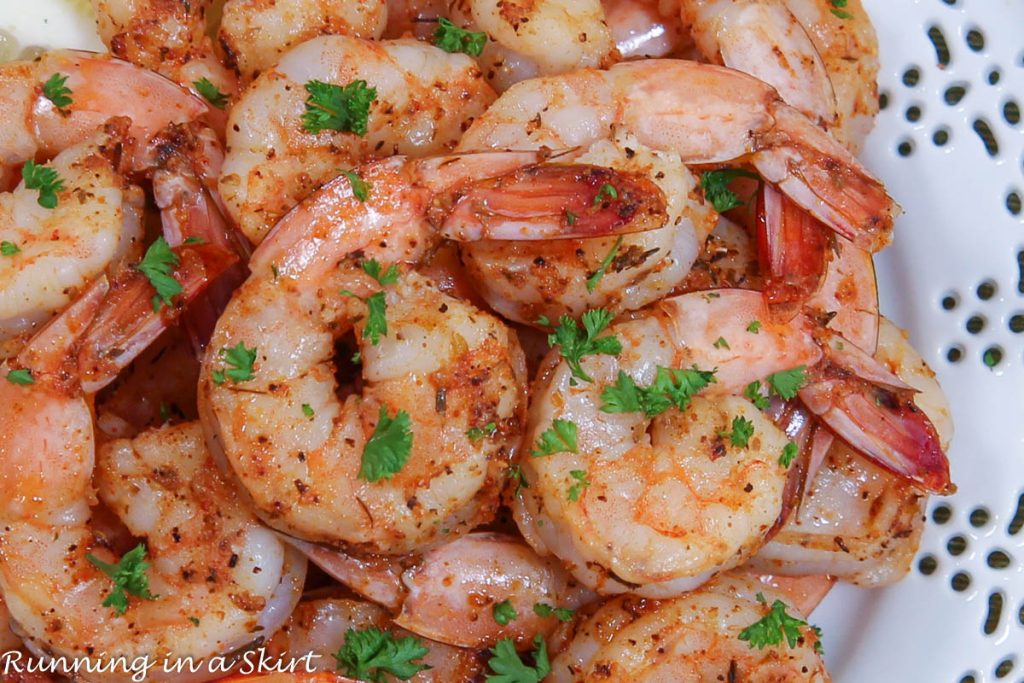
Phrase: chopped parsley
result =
(606, 191)
(776, 627)
(452, 38)
(560, 438)
(44, 179)
(333, 107)
(716, 187)
(55, 91)
(129, 577)
(754, 326)
(671, 387)
(720, 343)
(376, 318)
(9, 248)
(742, 430)
(478, 433)
(194, 620)
(23, 377)
(156, 265)
(210, 93)
(753, 392)
(545, 610)
(388, 448)
(581, 483)
(601, 269)
(360, 188)
(787, 382)
(503, 612)
(370, 654)
(515, 473)
(373, 269)
(308, 411)
(837, 9)
(509, 668)
(575, 343)
(570, 218)
(789, 453)
(240, 360)
(194, 240)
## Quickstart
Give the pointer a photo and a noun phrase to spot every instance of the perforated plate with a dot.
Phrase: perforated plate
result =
(950, 147)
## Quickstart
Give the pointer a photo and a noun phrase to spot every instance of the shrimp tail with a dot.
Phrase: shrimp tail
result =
(131, 320)
(555, 201)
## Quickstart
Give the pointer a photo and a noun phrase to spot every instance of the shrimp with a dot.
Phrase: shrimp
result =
(646, 28)
(166, 37)
(857, 521)
(425, 98)
(253, 34)
(522, 36)
(823, 61)
(691, 638)
(455, 373)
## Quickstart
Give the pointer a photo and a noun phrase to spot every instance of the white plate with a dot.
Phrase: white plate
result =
(963, 229)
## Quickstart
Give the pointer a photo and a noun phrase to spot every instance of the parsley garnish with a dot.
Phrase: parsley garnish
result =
(194, 620)
(376, 317)
(333, 107)
(787, 382)
(373, 269)
(789, 453)
(308, 411)
(576, 343)
(742, 430)
(581, 483)
(775, 627)
(515, 473)
(477, 433)
(754, 326)
(716, 187)
(561, 613)
(44, 179)
(607, 261)
(509, 668)
(128, 575)
(210, 93)
(753, 392)
(360, 188)
(570, 218)
(452, 38)
(503, 612)
(671, 387)
(55, 90)
(9, 248)
(194, 240)
(606, 191)
(560, 438)
(388, 448)
(156, 265)
(240, 361)
(836, 5)
(369, 654)
(720, 343)
(23, 377)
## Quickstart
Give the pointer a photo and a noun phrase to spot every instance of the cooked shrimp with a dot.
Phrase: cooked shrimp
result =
(824, 64)
(692, 638)
(858, 521)
(95, 227)
(448, 367)
(425, 99)
(525, 280)
(254, 34)
(166, 37)
(528, 39)
(646, 28)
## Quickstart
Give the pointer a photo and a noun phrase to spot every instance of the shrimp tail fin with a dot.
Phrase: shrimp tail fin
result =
(555, 201)
(131, 318)
(793, 250)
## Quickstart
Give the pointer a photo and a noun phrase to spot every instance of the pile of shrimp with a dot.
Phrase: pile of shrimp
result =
(450, 341)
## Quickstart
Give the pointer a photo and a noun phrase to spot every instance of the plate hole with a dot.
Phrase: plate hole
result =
(905, 148)
(955, 354)
(927, 565)
(956, 545)
(986, 290)
(995, 613)
(975, 40)
(997, 559)
(950, 301)
(975, 324)
(1018, 518)
(1011, 112)
(1017, 323)
(960, 582)
(992, 356)
(994, 76)
(913, 113)
(911, 77)
(942, 512)
(1013, 203)
(1004, 668)
(939, 41)
(940, 137)
(1020, 271)
(883, 100)
(955, 93)
(988, 138)
(979, 517)
(968, 678)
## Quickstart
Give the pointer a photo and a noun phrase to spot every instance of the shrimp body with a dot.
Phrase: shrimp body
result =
(425, 99)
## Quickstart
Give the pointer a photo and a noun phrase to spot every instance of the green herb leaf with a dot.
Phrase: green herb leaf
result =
(606, 191)
(742, 430)
(210, 93)
(333, 107)
(9, 248)
(194, 620)
(720, 343)
(581, 483)
(575, 343)
(44, 179)
(503, 612)
(156, 265)
(509, 668)
(545, 610)
(370, 654)
(789, 453)
(388, 448)
(129, 577)
(601, 269)
(240, 361)
(452, 38)
(671, 387)
(753, 392)
(754, 326)
(55, 90)
(360, 188)
(560, 438)
(194, 240)
(570, 218)
(515, 473)
(716, 187)
(478, 433)
(308, 411)
(23, 377)
(787, 382)
(776, 626)
(373, 269)
(836, 4)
